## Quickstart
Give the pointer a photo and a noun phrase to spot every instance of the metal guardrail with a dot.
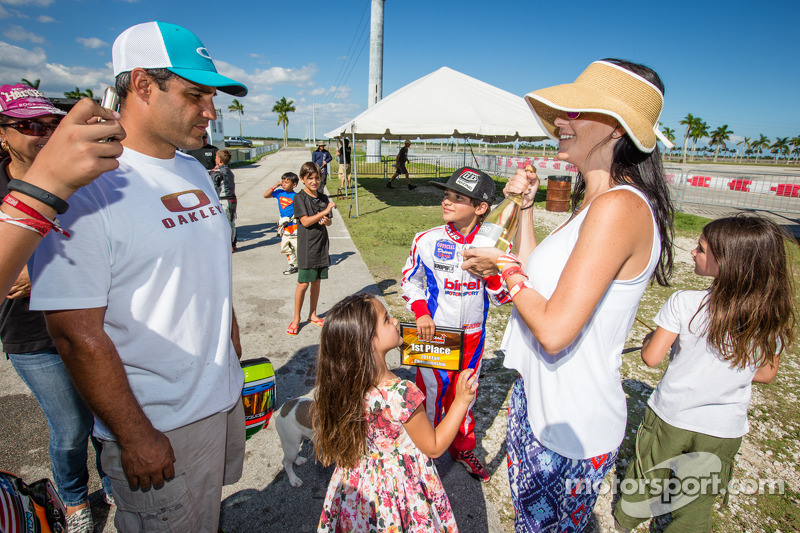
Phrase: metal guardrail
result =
(775, 193)
(245, 154)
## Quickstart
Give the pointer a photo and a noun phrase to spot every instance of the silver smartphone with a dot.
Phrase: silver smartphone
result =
(110, 99)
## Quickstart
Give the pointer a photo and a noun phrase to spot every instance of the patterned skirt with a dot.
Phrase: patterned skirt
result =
(550, 492)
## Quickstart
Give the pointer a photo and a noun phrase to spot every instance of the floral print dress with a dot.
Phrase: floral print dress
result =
(395, 487)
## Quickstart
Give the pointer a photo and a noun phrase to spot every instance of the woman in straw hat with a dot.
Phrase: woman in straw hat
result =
(576, 293)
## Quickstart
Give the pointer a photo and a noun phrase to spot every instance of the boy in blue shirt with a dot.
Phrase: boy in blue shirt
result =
(287, 225)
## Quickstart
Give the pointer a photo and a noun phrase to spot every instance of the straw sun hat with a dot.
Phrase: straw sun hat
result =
(608, 89)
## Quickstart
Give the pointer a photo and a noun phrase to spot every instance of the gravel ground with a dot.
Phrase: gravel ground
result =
(774, 460)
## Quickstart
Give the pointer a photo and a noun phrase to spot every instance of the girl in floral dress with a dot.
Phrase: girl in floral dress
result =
(371, 424)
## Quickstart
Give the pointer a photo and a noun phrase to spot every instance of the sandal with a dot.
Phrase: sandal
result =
(319, 321)
(292, 330)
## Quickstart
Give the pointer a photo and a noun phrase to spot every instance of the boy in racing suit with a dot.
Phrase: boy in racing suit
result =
(439, 293)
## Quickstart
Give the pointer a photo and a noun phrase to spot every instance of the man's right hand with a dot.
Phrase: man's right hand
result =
(148, 460)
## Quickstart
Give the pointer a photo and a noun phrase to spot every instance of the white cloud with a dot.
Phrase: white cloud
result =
(17, 62)
(92, 42)
(276, 75)
(4, 12)
(253, 54)
(342, 92)
(263, 80)
(45, 19)
(18, 33)
(13, 57)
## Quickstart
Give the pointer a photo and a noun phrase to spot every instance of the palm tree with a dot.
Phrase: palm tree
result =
(796, 152)
(795, 142)
(745, 144)
(283, 108)
(690, 121)
(34, 84)
(699, 131)
(759, 145)
(718, 138)
(669, 134)
(780, 147)
(237, 107)
(77, 94)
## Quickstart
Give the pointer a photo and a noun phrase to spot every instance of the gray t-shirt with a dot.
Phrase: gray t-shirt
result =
(312, 241)
(223, 182)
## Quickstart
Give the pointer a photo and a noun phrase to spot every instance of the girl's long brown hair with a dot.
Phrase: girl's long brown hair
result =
(346, 370)
(751, 303)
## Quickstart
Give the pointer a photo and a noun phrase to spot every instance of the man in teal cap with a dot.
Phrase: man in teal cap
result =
(139, 300)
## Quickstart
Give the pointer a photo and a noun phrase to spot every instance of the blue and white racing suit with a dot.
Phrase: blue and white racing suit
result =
(433, 283)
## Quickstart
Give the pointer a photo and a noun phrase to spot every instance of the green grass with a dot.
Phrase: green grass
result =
(388, 221)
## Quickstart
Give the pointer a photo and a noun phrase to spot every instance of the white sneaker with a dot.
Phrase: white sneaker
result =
(81, 522)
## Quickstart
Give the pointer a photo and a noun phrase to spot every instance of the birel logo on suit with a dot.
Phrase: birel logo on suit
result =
(456, 288)
(191, 206)
(468, 179)
(445, 250)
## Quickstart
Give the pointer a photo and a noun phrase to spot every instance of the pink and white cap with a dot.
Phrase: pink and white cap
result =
(23, 101)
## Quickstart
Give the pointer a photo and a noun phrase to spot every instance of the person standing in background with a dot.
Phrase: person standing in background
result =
(400, 167)
(344, 156)
(206, 155)
(222, 177)
(322, 157)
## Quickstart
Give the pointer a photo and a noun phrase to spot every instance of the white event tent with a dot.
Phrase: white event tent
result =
(445, 103)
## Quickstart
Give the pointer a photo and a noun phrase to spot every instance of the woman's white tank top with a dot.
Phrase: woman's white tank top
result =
(576, 405)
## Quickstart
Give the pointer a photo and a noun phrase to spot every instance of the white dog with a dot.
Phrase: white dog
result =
(294, 424)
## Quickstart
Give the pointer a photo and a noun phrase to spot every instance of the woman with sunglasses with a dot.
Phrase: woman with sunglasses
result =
(576, 293)
(27, 121)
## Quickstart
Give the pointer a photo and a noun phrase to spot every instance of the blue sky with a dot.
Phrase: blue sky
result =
(730, 62)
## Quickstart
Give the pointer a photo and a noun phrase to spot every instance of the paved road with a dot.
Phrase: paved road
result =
(262, 500)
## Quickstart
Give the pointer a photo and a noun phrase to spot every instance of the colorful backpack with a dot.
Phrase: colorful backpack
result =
(34, 508)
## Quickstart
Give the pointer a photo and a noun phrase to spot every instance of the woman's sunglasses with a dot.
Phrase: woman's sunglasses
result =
(33, 128)
(572, 115)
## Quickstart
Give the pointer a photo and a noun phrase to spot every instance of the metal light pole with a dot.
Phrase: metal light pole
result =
(375, 71)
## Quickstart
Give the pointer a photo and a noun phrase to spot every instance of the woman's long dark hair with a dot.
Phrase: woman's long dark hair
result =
(630, 166)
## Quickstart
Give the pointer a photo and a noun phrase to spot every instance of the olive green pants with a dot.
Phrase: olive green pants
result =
(674, 471)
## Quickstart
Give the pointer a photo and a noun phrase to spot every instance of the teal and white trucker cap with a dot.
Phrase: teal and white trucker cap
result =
(163, 45)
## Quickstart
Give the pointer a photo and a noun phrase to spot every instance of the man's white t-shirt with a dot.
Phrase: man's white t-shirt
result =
(700, 391)
(151, 244)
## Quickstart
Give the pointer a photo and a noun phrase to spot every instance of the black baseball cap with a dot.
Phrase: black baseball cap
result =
(471, 183)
